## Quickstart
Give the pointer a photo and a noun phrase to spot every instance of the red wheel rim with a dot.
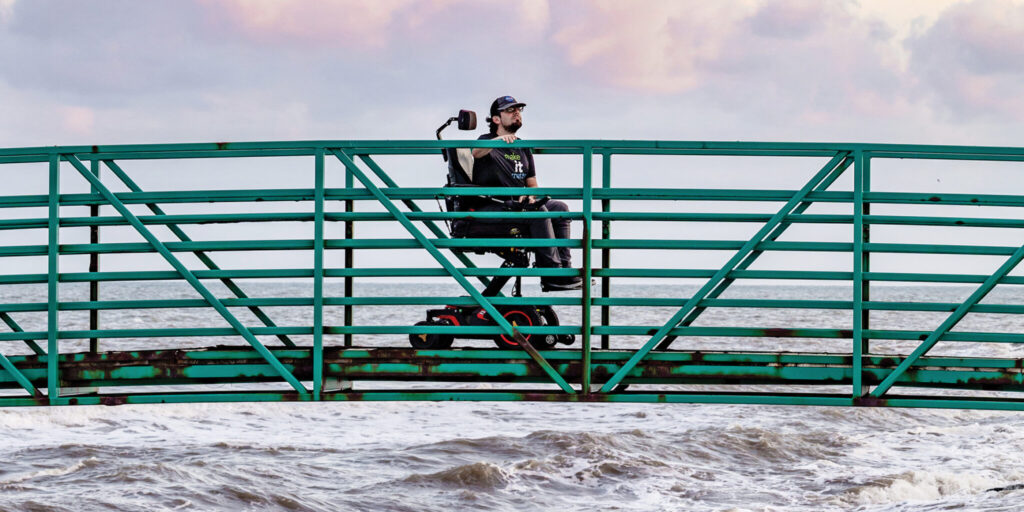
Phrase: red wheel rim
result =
(516, 318)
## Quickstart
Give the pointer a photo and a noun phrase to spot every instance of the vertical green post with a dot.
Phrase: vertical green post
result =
(866, 255)
(94, 263)
(588, 220)
(606, 253)
(52, 290)
(318, 274)
(859, 285)
(349, 185)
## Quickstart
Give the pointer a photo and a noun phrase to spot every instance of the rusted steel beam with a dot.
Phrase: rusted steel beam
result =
(243, 364)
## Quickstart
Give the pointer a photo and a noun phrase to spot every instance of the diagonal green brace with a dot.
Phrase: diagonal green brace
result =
(718, 276)
(409, 203)
(958, 314)
(202, 256)
(17, 328)
(20, 377)
(187, 274)
(452, 270)
(840, 163)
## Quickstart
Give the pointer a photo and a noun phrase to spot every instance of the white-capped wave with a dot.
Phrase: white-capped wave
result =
(58, 471)
(920, 486)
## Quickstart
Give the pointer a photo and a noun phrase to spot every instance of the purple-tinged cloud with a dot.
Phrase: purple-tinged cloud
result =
(971, 61)
(813, 62)
(790, 20)
(661, 47)
(6, 9)
(357, 25)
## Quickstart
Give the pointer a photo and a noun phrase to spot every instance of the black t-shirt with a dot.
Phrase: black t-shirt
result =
(503, 167)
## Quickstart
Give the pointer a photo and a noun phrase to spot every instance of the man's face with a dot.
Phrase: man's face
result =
(511, 119)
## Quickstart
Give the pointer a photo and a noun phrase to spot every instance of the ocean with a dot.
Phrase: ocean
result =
(421, 456)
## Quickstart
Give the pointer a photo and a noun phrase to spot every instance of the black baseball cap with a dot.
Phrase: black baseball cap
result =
(504, 102)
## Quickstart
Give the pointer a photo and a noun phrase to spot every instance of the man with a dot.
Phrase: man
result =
(508, 167)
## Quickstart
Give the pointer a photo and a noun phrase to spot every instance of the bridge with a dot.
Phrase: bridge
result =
(299, 271)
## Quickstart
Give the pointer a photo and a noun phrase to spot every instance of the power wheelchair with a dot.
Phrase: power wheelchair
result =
(460, 168)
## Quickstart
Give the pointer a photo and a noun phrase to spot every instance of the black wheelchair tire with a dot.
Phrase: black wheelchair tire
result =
(430, 341)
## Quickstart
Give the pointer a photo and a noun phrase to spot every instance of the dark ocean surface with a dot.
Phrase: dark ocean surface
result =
(516, 456)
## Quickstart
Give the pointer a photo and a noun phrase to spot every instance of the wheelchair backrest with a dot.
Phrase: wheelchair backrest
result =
(460, 174)
(460, 166)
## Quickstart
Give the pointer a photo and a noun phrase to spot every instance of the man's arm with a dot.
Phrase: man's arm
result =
(482, 152)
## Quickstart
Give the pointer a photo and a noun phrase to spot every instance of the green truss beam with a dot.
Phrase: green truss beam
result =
(496, 315)
(745, 250)
(185, 273)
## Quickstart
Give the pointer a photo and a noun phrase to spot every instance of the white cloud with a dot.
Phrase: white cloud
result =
(662, 47)
(373, 25)
(6, 10)
(970, 62)
(806, 61)
(78, 120)
(366, 23)
(751, 69)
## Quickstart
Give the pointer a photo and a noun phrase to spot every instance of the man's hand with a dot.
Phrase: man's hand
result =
(510, 138)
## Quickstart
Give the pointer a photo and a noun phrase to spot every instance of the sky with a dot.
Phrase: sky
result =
(910, 71)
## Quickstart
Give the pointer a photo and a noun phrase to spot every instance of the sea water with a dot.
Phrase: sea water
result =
(422, 456)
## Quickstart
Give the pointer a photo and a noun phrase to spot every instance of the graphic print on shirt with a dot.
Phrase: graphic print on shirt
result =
(519, 173)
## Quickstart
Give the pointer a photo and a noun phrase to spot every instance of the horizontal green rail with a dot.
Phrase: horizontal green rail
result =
(471, 243)
(1006, 309)
(86, 277)
(631, 194)
(228, 218)
(507, 367)
(621, 330)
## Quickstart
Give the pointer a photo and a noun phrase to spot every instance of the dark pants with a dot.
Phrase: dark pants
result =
(551, 257)
(561, 228)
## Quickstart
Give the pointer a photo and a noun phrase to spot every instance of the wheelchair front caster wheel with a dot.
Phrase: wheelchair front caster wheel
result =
(430, 341)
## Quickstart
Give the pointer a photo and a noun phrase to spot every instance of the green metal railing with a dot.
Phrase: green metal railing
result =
(615, 359)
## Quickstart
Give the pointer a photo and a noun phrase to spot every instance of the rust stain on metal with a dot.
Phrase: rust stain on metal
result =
(993, 383)
(113, 400)
(888, 362)
(870, 401)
